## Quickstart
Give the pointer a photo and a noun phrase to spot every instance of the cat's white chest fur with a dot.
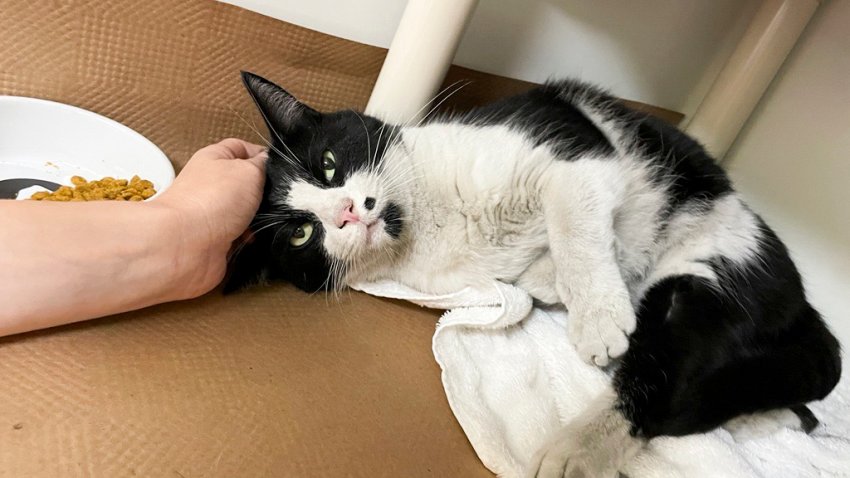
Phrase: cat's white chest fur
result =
(476, 212)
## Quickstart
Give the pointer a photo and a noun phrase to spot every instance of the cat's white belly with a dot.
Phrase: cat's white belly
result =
(465, 253)
(480, 218)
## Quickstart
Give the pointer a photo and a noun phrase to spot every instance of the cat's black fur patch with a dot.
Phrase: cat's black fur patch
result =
(545, 115)
(549, 115)
(704, 353)
(266, 255)
(392, 216)
(691, 173)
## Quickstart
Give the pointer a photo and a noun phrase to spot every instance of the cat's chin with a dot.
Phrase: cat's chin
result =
(367, 239)
(375, 234)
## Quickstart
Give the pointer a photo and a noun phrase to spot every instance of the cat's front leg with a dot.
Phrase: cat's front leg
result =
(601, 313)
(587, 276)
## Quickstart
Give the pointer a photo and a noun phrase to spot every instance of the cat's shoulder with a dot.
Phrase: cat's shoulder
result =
(557, 113)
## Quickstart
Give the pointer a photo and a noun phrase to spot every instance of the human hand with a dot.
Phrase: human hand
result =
(212, 202)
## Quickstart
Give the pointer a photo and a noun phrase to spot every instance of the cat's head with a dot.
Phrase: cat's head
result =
(332, 203)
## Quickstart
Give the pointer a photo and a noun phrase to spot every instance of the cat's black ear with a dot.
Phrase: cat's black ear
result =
(282, 112)
(249, 264)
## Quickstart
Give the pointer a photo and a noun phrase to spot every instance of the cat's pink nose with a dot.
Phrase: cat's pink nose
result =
(346, 214)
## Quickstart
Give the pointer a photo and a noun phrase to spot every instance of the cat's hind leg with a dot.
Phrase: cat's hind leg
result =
(688, 370)
(695, 362)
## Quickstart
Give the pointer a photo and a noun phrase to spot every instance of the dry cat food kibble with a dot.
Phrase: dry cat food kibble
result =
(136, 189)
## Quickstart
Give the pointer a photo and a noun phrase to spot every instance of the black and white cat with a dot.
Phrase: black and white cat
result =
(568, 194)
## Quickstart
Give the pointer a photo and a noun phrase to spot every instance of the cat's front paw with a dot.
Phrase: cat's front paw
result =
(601, 332)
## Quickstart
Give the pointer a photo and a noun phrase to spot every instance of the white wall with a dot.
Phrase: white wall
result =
(792, 161)
(366, 21)
(663, 52)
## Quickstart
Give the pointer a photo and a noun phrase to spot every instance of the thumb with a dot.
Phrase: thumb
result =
(232, 148)
(259, 160)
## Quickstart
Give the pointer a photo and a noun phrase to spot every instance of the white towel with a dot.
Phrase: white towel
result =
(512, 378)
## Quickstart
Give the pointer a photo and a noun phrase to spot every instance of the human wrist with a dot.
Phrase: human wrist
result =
(197, 257)
(188, 254)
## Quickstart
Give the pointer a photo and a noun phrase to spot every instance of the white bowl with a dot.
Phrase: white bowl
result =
(51, 141)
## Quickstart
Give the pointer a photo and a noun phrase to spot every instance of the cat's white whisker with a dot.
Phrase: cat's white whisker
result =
(368, 139)
(263, 138)
(433, 109)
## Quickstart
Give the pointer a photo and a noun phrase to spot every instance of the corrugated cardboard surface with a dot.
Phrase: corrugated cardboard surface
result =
(170, 68)
(268, 383)
(272, 382)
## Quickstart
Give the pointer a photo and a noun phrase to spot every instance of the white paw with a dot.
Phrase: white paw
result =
(601, 333)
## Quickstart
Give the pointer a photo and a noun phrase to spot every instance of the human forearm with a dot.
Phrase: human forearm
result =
(64, 262)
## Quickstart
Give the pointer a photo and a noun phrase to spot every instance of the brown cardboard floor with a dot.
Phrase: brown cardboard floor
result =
(270, 382)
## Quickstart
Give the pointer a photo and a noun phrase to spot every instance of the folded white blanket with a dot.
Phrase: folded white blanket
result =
(512, 378)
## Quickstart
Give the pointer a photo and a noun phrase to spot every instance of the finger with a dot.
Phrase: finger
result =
(233, 148)
(260, 159)
(241, 149)
(254, 149)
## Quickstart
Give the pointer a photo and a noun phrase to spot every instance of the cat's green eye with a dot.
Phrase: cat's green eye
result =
(328, 164)
(301, 234)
